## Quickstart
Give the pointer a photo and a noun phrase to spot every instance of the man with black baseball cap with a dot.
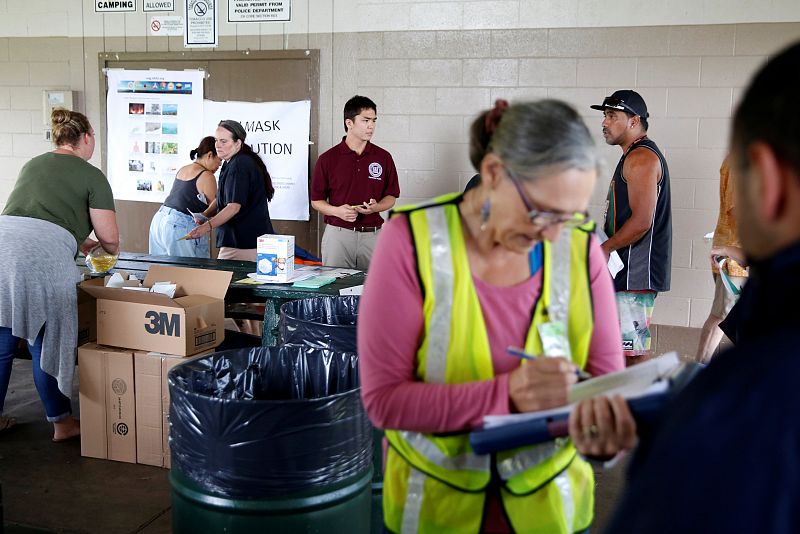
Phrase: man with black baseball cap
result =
(638, 218)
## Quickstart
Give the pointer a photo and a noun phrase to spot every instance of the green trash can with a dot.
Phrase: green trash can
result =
(270, 440)
(337, 509)
(331, 322)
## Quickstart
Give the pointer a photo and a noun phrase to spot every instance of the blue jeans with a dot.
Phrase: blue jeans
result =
(56, 405)
(167, 227)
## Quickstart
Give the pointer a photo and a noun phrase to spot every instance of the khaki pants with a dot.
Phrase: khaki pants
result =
(342, 247)
(230, 253)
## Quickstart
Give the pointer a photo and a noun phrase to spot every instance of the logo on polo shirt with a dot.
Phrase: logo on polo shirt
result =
(375, 171)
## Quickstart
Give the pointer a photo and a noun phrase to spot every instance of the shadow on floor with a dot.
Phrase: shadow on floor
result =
(49, 487)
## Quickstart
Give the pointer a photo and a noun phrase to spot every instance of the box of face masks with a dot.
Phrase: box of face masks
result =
(275, 258)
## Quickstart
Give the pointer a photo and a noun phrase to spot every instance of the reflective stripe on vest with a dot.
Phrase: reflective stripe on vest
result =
(413, 507)
(528, 458)
(441, 316)
(558, 307)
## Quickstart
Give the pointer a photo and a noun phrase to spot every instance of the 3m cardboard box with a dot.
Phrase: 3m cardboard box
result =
(87, 314)
(107, 402)
(190, 322)
(275, 258)
(152, 406)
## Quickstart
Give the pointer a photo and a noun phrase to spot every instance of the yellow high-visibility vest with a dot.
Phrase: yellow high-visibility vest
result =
(436, 484)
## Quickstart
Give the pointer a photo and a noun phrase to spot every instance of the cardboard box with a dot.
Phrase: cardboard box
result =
(107, 402)
(152, 406)
(275, 258)
(189, 323)
(87, 314)
(124, 400)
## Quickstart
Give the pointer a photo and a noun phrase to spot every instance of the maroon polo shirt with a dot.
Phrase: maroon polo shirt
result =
(341, 176)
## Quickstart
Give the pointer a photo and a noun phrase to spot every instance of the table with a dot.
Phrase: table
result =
(272, 295)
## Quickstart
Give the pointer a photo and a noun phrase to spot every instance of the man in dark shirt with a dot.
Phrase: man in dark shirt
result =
(724, 458)
(353, 183)
(638, 219)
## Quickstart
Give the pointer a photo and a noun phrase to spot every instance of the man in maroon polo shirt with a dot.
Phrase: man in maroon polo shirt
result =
(353, 182)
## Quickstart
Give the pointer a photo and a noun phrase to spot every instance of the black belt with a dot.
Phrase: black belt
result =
(365, 228)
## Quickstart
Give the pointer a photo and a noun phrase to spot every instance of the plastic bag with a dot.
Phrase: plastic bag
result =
(323, 322)
(268, 421)
(99, 261)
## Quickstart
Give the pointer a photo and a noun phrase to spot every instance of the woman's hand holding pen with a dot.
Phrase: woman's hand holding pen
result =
(541, 384)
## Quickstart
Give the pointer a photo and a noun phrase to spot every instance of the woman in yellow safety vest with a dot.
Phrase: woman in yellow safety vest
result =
(456, 281)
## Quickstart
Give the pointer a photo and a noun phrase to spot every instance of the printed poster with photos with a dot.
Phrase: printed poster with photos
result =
(155, 118)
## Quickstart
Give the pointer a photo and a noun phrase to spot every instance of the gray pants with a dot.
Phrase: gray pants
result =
(346, 248)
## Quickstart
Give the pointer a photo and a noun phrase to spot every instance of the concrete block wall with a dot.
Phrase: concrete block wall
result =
(432, 66)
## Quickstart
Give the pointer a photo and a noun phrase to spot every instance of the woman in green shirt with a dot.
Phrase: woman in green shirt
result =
(57, 201)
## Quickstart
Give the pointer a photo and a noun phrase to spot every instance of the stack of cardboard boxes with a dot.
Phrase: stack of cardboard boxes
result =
(124, 397)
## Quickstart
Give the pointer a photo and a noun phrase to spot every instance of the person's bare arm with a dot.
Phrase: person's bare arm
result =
(226, 214)
(207, 185)
(642, 171)
(346, 212)
(210, 211)
(105, 228)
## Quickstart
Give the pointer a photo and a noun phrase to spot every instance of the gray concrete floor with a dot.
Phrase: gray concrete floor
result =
(49, 487)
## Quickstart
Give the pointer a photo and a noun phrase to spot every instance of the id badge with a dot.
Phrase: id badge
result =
(554, 339)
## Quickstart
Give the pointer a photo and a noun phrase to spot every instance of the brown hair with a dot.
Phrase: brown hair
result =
(68, 126)
(481, 131)
(206, 145)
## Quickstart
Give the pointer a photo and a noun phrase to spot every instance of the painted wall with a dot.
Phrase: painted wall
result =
(431, 66)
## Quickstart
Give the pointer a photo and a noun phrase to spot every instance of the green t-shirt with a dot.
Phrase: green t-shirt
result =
(60, 188)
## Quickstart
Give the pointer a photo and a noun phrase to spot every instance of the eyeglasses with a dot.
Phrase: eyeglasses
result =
(617, 103)
(547, 218)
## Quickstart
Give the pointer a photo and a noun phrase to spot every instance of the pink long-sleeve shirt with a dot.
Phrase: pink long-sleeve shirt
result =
(390, 328)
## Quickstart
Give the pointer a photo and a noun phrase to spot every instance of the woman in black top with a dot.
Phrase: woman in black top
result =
(240, 211)
(193, 189)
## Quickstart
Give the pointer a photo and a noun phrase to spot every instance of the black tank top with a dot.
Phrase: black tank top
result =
(648, 261)
(184, 195)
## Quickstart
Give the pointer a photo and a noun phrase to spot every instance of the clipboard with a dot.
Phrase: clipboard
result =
(541, 427)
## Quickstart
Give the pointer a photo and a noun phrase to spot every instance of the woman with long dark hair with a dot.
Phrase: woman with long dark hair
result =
(240, 211)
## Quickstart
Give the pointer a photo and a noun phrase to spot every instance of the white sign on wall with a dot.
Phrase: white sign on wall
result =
(259, 10)
(279, 133)
(158, 5)
(155, 118)
(201, 24)
(117, 6)
(161, 25)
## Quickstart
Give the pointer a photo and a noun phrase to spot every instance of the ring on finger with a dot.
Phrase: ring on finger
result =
(591, 432)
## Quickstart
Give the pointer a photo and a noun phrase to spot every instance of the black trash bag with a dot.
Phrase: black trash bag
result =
(323, 322)
(269, 421)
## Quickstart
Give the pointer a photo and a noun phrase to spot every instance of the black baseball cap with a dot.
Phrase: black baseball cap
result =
(625, 100)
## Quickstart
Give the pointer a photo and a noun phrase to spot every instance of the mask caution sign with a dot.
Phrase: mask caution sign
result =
(158, 5)
(117, 6)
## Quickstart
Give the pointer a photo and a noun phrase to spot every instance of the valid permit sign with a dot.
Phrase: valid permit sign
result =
(259, 10)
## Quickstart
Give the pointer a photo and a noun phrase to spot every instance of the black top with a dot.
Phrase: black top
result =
(184, 196)
(241, 182)
(724, 456)
(648, 261)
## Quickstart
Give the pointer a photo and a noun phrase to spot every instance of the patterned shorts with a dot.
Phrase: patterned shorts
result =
(635, 311)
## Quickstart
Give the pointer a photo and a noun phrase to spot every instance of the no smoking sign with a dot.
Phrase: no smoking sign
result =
(166, 25)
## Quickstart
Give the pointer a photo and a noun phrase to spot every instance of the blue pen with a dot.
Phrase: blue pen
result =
(514, 351)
